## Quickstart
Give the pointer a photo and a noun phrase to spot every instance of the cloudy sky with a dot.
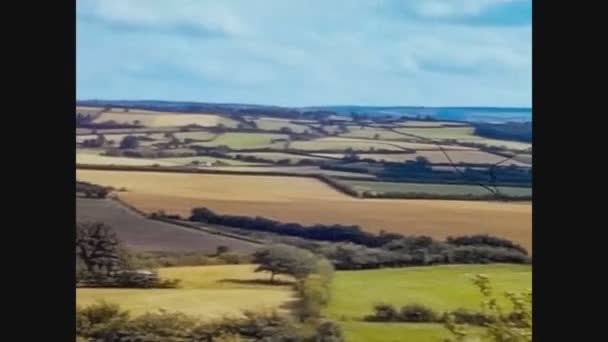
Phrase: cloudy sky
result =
(307, 52)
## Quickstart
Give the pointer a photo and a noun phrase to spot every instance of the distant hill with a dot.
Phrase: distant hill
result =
(469, 114)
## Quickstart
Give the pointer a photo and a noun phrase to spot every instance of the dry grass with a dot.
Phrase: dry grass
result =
(471, 156)
(204, 292)
(309, 201)
(164, 119)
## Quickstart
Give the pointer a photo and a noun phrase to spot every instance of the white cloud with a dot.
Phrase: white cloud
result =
(300, 53)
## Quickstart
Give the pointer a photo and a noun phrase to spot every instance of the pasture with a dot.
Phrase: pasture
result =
(247, 140)
(207, 292)
(354, 293)
(309, 201)
(375, 133)
(434, 189)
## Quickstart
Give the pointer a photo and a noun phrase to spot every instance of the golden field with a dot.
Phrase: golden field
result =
(204, 291)
(309, 201)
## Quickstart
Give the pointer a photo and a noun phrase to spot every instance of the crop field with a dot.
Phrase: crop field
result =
(207, 292)
(310, 201)
(142, 234)
(275, 156)
(440, 133)
(303, 170)
(457, 156)
(247, 140)
(162, 119)
(414, 123)
(353, 296)
(524, 158)
(94, 158)
(435, 189)
(372, 133)
(274, 124)
(199, 135)
(203, 159)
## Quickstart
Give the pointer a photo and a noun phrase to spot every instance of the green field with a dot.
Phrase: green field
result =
(205, 291)
(434, 189)
(199, 135)
(372, 132)
(246, 140)
(354, 293)
(342, 144)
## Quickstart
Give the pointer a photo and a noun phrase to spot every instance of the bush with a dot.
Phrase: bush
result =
(383, 313)
(417, 313)
(464, 316)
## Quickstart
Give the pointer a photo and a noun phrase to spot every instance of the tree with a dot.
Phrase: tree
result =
(422, 160)
(376, 136)
(515, 326)
(129, 142)
(98, 248)
(284, 259)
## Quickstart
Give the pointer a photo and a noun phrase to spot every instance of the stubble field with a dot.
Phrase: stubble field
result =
(309, 201)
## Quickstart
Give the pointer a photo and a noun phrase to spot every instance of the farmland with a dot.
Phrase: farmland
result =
(164, 119)
(142, 234)
(310, 201)
(436, 156)
(353, 298)
(205, 291)
(273, 124)
(437, 189)
(247, 140)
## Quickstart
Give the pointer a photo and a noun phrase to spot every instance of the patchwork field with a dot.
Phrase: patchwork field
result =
(338, 143)
(435, 189)
(163, 119)
(275, 124)
(372, 133)
(205, 291)
(199, 135)
(94, 158)
(441, 132)
(354, 294)
(468, 156)
(143, 234)
(310, 201)
(247, 140)
(276, 156)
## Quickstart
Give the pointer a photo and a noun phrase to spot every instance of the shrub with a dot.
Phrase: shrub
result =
(464, 316)
(417, 313)
(383, 313)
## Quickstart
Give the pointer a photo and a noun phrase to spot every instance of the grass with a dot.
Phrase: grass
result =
(94, 158)
(441, 288)
(246, 140)
(199, 135)
(309, 201)
(436, 189)
(341, 144)
(371, 132)
(205, 291)
(457, 156)
(164, 119)
(393, 332)
(273, 124)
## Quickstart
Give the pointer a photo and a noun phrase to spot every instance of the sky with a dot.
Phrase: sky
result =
(307, 52)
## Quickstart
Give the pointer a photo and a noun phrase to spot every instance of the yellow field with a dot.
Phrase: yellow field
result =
(163, 119)
(205, 291)
(470, 156)
(310, 201)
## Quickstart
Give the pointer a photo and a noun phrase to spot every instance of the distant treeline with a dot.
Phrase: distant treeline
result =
(353, 248)
(91, 190)
(518, 131)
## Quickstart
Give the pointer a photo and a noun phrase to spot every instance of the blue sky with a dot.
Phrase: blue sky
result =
(307, 52)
